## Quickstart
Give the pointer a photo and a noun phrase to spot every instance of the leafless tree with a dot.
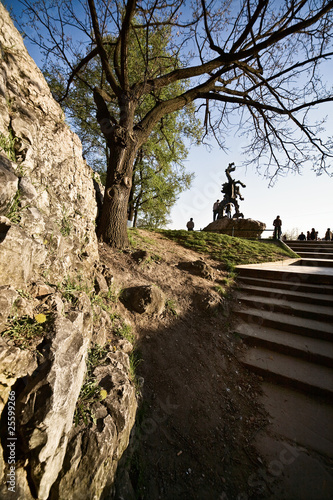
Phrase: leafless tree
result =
(253, 64)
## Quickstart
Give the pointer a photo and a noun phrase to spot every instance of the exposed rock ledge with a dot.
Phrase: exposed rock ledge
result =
(47, 238)
(242, 228)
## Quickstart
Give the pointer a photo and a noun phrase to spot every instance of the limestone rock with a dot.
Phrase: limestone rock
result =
(27, 190)
(8, 295)
(15, 363)
(20, 257)
(41, 289)
(147, 299)
(8, 184)
(93, 453)
(101, 285)
(57, 200)
(55, 237)
(241, 228)
(46, 406)
(102, 325)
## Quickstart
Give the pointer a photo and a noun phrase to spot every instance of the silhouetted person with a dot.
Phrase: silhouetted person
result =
(328, 234)
(190, 225)
(313, 234)
(302, 237)
(216, 209)
(277, 223)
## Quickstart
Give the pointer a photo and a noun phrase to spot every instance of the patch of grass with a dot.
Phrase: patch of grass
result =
(65, 225)
(170, 307)
(24, 331)
(135, 359)
(221, 290)
(136, 238)
(71, 286)
(229, 250)
(91, 392)
(152, 258)
(125, 331)
(14, 209)
(7, 143)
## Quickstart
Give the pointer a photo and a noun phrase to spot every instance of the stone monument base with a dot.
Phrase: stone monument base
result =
(242, 228)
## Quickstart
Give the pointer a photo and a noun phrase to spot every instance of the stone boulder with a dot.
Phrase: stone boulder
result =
(46, 406)
(147, 299)
(93, 453)
(241, 228)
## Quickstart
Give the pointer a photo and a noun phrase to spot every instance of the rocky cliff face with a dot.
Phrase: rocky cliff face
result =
(53, 301)
(46, 185)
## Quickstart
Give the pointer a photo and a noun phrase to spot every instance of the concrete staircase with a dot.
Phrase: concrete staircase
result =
(285, 317)
(286, 320)
(313, 249)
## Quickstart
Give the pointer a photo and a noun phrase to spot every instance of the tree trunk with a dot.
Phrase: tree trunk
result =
(112, 227)
(130, 209)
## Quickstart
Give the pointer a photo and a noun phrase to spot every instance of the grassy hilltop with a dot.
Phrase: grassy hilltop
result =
(229, 250)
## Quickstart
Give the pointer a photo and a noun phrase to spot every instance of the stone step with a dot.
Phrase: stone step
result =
(287, 323)
(285, 285)
(310, 349)
(315, 261)
(291, 371)
(306, 248)
(311, 243)
(315, 255)
(312, 296)
(314, 247)
(288, 273)
(293, 309)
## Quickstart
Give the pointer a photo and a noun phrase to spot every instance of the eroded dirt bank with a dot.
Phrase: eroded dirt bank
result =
(199, 411)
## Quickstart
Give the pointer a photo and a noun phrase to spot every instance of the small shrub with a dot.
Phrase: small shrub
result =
(170, 307)
(220, 290)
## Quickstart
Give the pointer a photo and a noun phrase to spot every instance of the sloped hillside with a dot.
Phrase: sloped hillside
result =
(198, 411)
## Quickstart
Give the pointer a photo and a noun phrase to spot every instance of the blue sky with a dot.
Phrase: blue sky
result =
(302, 201)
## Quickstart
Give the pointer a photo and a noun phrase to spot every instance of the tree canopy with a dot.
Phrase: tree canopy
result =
(253, 64)
(159, 174)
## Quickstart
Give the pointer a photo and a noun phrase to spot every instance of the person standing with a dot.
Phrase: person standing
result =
(277, 223)
(328, 234)
(190, 225)
(313, 234)
(216, 209)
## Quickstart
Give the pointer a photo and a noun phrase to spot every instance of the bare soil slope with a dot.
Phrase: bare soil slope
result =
(199, 410)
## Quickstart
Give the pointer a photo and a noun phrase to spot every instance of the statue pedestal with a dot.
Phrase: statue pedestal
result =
(242, 228)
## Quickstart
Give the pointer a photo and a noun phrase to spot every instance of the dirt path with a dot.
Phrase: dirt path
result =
(199, 412)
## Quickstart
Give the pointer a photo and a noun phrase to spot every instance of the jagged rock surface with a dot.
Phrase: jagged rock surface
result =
(46, 186)
(47, 233)
(242, 228)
